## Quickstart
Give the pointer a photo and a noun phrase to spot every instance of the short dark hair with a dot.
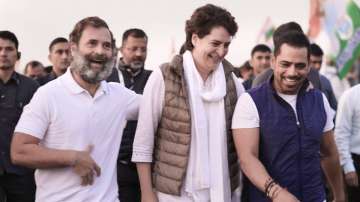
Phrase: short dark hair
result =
(56, 41)
(204, 19)
(286, 27)
(260, 48)
(294, 39)
(94, 21)
(182, 49)
(316, 50)
(32, 63)
(246, 66)
(134, 32)
(9, 36)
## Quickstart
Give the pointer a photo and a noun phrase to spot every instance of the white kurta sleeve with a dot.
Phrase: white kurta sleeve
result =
(343, 130)
(132, 106)
(151, 106)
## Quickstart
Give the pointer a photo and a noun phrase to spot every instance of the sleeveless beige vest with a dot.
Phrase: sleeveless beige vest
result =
(172, 141)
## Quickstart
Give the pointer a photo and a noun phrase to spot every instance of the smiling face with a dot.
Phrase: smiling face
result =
(290, 69)
(210, 50)
(93, 55)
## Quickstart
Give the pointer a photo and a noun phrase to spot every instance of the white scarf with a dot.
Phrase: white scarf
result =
(205, 177)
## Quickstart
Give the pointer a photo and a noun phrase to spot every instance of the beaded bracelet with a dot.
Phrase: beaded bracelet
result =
(275, 193)
(268, 184)
(269, 189)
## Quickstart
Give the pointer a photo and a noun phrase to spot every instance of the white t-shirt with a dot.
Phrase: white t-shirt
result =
(64, 116)
(246, 114)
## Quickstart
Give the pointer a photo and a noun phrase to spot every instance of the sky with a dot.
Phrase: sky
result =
(37, 22)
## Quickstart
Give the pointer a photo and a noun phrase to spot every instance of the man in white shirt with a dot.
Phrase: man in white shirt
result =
(347, 137)
(70, 131)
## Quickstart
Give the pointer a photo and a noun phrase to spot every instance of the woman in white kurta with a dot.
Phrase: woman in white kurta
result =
(207, 175)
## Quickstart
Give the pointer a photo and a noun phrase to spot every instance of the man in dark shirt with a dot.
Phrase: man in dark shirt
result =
(60, 57)
(130, 72)
(316, 58)
(16, 183)
(259, 61)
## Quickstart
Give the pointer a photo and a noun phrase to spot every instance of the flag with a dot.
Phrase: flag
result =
(316, 13)
(266, 33)
(342, 20)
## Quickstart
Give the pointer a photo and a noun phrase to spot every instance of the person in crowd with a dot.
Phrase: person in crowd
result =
(60, 58)
(244, 72)
(130, 72)
(316, 58)
(183, 146)
(347, 137)
(34, 69)
(16, 182)
(283, 131)
(71, 130)
(260, 62)
(313, 76)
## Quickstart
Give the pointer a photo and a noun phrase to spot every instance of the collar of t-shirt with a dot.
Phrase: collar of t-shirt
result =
(70, 83)
(291, 100)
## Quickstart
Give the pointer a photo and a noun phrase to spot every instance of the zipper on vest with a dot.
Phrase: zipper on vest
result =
(300, 161)
(300, 134)
(299, 164)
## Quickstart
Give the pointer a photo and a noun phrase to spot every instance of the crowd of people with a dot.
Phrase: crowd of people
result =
(95, 126)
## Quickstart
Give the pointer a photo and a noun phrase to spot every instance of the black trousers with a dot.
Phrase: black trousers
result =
(354, 192)
(17, 188)
(128, 183)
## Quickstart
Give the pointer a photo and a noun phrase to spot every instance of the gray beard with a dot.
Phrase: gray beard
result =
(82, 66)
(136, 65)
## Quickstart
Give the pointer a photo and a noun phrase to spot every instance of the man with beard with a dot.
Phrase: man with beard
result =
(130, 72)
(60, 58)
(70, 129)
(283, 131)
(313, 75)
(16, 182)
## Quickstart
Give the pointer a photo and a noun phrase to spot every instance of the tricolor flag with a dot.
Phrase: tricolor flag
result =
(266, 33)
(342, 22)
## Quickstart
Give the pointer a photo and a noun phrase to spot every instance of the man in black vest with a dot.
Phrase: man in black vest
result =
(130, 72)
